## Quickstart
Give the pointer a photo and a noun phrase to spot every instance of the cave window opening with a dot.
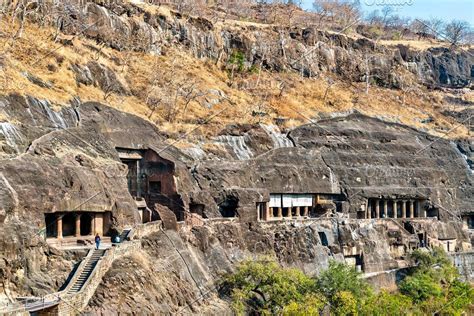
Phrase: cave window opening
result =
(323, 238)
(470, 222)
(275, 211)
(433, 212)
(228, 208)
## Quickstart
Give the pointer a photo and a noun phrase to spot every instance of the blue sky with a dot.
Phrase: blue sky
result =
(444, 9)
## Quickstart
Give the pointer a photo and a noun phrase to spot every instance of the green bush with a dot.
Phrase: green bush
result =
(264, 287)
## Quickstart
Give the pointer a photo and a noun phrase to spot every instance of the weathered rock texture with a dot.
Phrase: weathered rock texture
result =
(356, 156)
(308, 51)
(179, 273)
(59, 161)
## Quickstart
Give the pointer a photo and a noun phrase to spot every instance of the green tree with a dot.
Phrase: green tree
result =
(266, 287)
(311, 305)
(385, 303)
(435, 286)
(339, 278)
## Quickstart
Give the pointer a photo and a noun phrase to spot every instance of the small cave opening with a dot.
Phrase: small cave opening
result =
(433, 212)
(228, 208)
(323, 238)
(197, 208)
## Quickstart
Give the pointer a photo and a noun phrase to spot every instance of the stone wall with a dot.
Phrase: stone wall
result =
(465, 264)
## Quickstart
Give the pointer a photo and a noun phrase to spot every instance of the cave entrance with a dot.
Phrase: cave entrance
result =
(197, 208)
(261, 210)
(86, 224)
(50, 220)
(422, 239)
(69, 224)
(229, 207)
(155, 187)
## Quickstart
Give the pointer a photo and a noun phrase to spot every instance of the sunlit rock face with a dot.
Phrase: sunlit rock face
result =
(356, 156)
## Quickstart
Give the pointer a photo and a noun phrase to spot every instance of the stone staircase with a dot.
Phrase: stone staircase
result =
(73, 298)
(90, 264)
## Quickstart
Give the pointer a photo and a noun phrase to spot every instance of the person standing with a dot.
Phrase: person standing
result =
(97, 241)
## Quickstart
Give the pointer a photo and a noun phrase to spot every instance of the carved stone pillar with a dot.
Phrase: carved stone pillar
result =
(368, 213)
(298, 211)
(412, 209)
(288, 214)
(395, 209)
(404, 209)
(385, 208)
(59, 227)
(377, 208)
(78, 225)
(280, 212)
(305, 211)
(98, 224)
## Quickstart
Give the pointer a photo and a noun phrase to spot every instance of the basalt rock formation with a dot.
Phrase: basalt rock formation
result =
(89, 157)
(308, 51)
(57, 161)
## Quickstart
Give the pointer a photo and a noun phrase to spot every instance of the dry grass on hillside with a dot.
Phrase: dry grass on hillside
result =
(251, 98)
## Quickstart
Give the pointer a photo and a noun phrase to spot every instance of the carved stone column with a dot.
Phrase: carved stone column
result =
(78, 225)
(59, 227)
(298, 211)
(288, 214)
(412, 210)
(395, 209)
(305, 211)
(377, 208)
(404, 209)
(280, 212)
(385, 208)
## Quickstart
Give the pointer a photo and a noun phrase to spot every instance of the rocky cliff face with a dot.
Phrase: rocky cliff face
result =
(179, 273)
(355, 156)
(67, 159)
(307, 51)
(59, 159)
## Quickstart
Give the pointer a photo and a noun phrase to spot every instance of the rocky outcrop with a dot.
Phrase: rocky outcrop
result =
(63, 161)
(308, 51)
(94, 73)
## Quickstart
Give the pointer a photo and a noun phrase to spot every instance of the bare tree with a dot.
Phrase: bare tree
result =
(436, 27)
(456, 31)
(342, 13)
